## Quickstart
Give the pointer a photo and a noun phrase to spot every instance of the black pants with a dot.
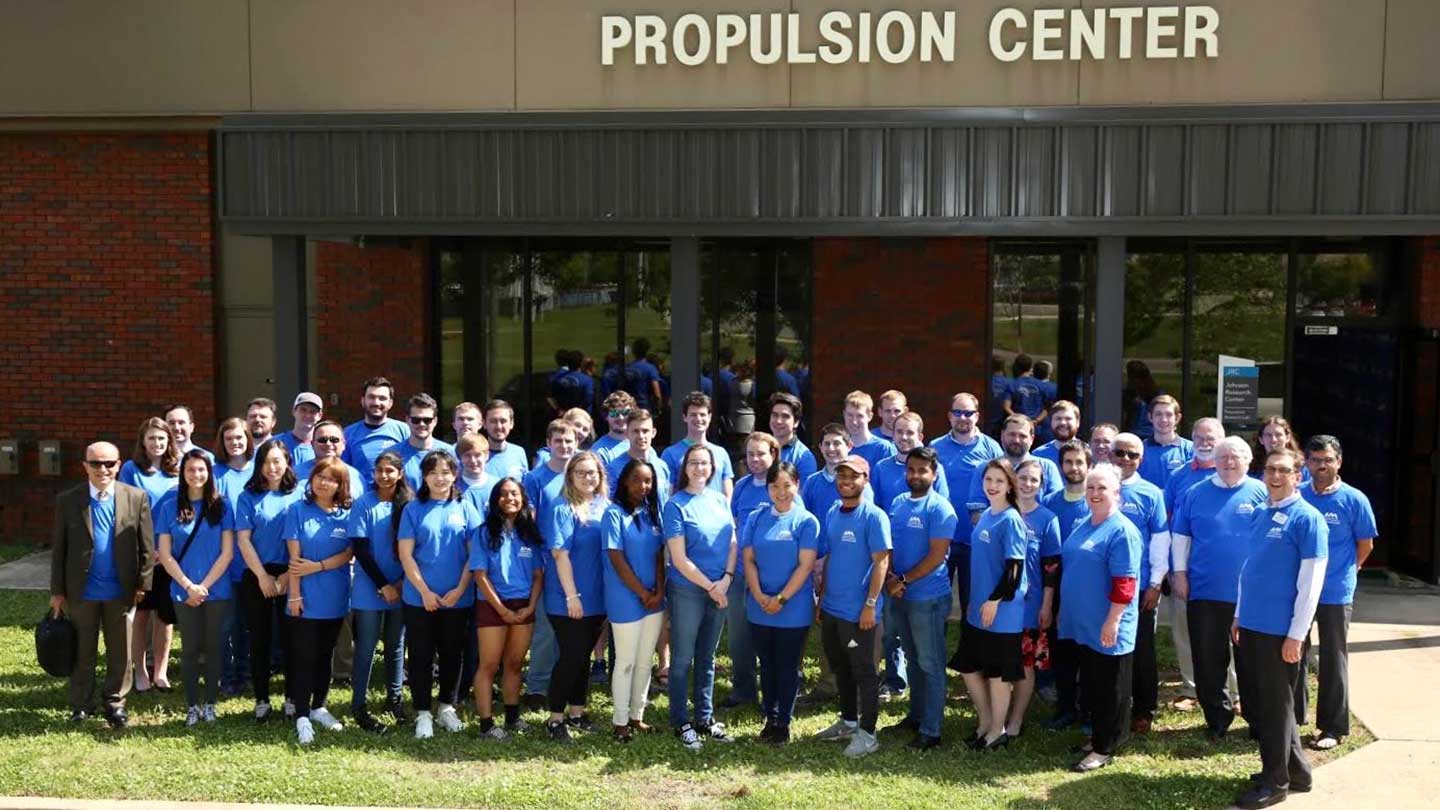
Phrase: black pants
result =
(200, 628)
(851, 653)
(1107, 680)
(1268, 684)
(1332, 710)
(312, 642)
(570, 680)
(1065, 663)
(429, 635)
(1210, 622)
(780, 650)
(1146, 689)
(268, 622)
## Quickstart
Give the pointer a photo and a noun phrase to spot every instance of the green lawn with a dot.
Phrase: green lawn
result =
(236, 760)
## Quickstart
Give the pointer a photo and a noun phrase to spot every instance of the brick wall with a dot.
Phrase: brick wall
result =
(106, 298)
(907, 314)
(373, 319)
(1427, 281)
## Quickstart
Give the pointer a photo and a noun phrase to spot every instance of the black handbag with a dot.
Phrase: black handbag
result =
(56, 645)
(160, 579)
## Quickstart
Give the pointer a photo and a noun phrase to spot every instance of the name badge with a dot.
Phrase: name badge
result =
(1280, 518)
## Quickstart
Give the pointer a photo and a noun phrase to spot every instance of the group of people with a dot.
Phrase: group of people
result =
(481, 566)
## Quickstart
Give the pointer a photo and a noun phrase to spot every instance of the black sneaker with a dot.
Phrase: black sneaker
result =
(581, 723)
(767, 731)
(908, 724)
(780, 735)
(367, 723)
(396, 707)
(924, 743)
(534, 702)
(715, 732)
(559, 731)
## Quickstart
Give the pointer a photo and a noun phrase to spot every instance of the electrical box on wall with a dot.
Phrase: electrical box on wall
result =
(50, 457)
(9, 457)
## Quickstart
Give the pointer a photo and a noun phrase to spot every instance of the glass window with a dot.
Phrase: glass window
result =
(647, 333)
(1239, 311)
(573, 328)
(1154, 334)
(1338, 285)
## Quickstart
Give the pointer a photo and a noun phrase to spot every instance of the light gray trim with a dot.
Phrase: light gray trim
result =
(684, 325)
(1109, 329)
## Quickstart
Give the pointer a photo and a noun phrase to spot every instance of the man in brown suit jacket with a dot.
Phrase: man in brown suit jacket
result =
(102, 556)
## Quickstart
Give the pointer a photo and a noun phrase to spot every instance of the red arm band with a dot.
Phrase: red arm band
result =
(1122, 590)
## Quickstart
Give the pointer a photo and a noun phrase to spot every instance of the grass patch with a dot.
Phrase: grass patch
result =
(9, 552)
(237, 760)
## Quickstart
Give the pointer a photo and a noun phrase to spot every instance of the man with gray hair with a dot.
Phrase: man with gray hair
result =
(1144, 505)
(1206, 433)
(1209, 541)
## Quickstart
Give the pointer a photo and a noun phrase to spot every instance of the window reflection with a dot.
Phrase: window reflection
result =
(1239, 310)
(1338, 285)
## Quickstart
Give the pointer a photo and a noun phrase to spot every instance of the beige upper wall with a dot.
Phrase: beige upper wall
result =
(195, 57)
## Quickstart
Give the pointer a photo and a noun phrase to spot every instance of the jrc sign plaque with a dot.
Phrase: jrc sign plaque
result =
(897, 37)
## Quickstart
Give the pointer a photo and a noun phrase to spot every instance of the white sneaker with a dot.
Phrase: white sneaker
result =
(262, 711)
(841, 729)
(323, 718)
(208, 713)
(289, 709)
(424, 729)
(304, 731)
(689, 737)
(862, 743)
(495, 733)
(448, 719)
(192, 716)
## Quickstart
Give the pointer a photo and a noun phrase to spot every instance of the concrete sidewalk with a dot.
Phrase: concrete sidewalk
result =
(30, 573)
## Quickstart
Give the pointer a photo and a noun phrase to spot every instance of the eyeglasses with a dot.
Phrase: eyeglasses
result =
(327, 440)
(1125, 454)
(618, 413)
(1281, 470)
(962, 414)
(96, 464)
(421, 420)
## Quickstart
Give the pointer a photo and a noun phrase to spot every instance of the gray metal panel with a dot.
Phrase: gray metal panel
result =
(1056, 171)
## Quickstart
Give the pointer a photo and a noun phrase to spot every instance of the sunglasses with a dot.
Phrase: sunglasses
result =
(421, 420)
(107, 464)
(963, 414)
(1280, 470)
(1125, 454)
(328, 440)
(616, 413)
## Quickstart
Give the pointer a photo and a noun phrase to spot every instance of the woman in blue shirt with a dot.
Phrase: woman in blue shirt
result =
(196, 540)
(990, 658)
(750, 493)
(434, 544)
(259, 522)
(779, 545)
(574, 589)
(375, 590)
(318, 542)
(506, 556)
(1042, 571)
(154, 466)
(700, 536)
(634, 591)
(1099, 609)
(234, 461)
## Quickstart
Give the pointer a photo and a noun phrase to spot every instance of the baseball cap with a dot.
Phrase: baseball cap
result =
(308, 398)
(856, 463)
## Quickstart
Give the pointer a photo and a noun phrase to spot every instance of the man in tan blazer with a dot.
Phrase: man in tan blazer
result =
(102, 556)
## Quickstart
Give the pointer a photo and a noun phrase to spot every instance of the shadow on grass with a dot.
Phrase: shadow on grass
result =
(1110, 788)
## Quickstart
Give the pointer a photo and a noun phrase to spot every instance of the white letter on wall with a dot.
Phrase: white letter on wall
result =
(997, 42)
(793, 54)
(937, 36)
(1201, 24)
(729, 32)
(1087, 33)
(649, 36)
(771, 56)
(907, 37)
(837, 48)
(1047, 30)
(615, 33)
(683, 54)
(1127, 17)
(1155, 29)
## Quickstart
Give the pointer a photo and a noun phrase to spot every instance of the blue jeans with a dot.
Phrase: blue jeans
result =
(370, 627)
(544, 652)
(235, 647)
(742, 648)
(781, 649)
(695, 623)
(921, 624)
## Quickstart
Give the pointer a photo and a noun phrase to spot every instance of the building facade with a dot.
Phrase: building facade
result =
(205, 202)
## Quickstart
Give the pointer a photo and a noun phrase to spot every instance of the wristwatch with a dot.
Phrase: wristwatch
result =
(780, 597)
(871, 602)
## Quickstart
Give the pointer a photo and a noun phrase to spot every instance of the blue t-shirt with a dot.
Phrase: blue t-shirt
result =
(370, 518)
(511, 568)
(1050, 451)
(1070, 514)
(364, 444)
(1042, 539)
(1217, 521)
(512, 462)
(358, 484)
(263, 516)
(819, 493)
(848, 541)
(299, 452)
(798, 454)
(785, 381)
(102, 581)
(155, 483)
(1162, 461)
(321, 534)
(639, 374)
(639, 538)
(1348, 517)
(1144, 504)
(230, 482)
(441, 531)
(750, 494)
(563, 530)
(662, 473)
(542, 487)
(777, 541)
(705, 523)
(997, 538)
(875, 451)
(1027, 396)
(914, 522)
(999, 392)
(1280, 538)
(1181, 481)
(961, 463)
(202, 551)
(1051, 481)
(607, 447)
(1090, 559)
(888, 479)
(478, 495)
(413, 456)
(724, 470)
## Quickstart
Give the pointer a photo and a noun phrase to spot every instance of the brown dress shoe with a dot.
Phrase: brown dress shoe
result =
(1140, 725)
